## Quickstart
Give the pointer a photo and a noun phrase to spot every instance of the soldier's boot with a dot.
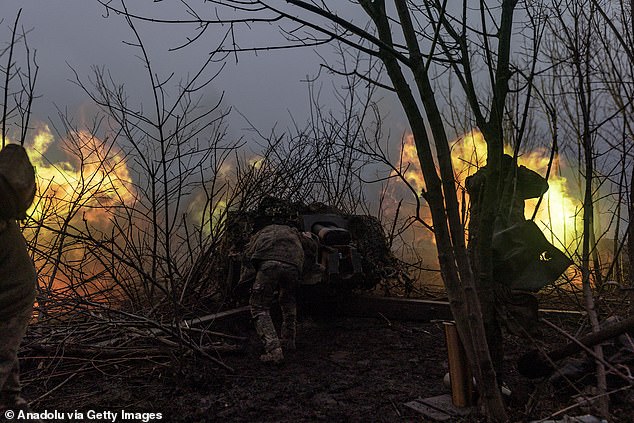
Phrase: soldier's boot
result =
(266, 330)
(288, 333)
(274, 356)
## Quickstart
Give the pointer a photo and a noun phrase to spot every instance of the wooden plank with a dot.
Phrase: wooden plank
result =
(398, 308)
(534, 364)
(395, 308)
(428, 411)
(563, 313)
(236, 312)
(444, 402)
(371, 306)
(439, 408)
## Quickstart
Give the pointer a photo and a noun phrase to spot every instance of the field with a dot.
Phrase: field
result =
(344, 369)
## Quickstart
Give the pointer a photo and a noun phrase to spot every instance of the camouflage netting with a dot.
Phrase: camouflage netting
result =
(377, 261)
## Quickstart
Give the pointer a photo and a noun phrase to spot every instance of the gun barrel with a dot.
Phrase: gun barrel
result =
(331, 235)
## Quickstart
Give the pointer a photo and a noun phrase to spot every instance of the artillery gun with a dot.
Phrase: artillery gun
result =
(352, 249)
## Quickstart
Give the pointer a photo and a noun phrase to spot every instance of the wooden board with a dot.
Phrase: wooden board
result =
(223, 315)
(439, 408)
(428, 411)
(395, 308)
(444, 403)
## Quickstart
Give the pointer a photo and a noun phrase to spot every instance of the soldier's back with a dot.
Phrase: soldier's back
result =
(277, 242)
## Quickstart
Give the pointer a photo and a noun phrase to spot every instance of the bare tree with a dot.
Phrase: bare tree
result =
(616, 37)
(590, 81)
(413, 42)
(176, 148)
(579, 50)
(19, 76)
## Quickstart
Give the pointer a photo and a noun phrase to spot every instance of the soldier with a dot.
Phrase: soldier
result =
(17, 274)
(17, 294)
(279, 255)
(512, 308)
(525, 184)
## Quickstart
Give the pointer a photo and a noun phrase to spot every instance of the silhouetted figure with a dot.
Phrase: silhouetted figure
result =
(17, 275)
(517, 184)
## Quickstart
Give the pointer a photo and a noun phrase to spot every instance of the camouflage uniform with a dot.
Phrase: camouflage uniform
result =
(17, 293)
(276, 253)
(517, 310)
(525, 184)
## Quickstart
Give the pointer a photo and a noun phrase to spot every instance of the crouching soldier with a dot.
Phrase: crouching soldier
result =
(278, 255)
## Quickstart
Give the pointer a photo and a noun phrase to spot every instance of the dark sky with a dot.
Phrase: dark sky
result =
(76, 33)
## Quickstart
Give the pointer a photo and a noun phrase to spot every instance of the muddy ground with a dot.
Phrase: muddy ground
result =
(344, 369)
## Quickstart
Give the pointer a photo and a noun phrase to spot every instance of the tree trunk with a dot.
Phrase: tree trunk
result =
(630, 240)
(448, 231)
(467, 305)
(588, 226)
